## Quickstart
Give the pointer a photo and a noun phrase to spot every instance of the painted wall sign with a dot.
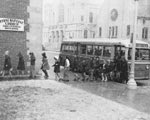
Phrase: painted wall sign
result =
(11, 24)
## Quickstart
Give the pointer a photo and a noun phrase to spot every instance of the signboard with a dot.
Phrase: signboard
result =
(11, 24)
(141, 45)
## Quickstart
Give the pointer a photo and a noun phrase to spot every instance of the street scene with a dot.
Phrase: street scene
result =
(74, 60)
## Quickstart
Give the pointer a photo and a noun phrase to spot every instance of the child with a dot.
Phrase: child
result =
(104, 72)
(45, 65)
(56, 68)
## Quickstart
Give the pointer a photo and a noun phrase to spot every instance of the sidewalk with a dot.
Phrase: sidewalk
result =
(52, 100)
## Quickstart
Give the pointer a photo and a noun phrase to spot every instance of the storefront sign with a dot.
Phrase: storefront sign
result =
(10, 24)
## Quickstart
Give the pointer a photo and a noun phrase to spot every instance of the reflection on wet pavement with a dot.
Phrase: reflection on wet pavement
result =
(138, 99)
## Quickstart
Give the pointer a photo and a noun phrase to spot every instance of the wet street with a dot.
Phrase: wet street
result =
(138, 99)
(42, 99)
(120, 93)
(52, 100)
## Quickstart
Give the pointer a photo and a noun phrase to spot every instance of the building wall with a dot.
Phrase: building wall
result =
(34, 35)
(21, 41)
(126, 12)
(11, 40)
(67, 23)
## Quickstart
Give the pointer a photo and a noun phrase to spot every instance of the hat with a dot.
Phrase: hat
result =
(7, 52)
(43, 53)
(56, 57)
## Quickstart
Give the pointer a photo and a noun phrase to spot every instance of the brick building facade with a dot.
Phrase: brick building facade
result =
(21, 41)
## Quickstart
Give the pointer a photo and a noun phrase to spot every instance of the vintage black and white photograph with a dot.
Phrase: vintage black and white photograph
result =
(74, 59)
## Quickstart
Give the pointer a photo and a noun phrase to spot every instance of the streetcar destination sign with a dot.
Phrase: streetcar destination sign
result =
(11, 24)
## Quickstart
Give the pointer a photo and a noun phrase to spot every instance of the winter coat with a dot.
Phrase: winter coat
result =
(32, 59)
(7, 63)
(45, 65)
(21, 65)
(56, 67)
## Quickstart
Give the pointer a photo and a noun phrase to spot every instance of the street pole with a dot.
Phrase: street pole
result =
(132, 83)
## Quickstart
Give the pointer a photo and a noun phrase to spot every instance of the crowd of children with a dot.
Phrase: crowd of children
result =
(95, 69)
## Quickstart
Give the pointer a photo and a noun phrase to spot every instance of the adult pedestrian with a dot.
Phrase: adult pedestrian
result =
(21, 65)
(108, 69)
(75, 64)
(117, 68)
(7, 65)
(97, 69)
(66, 69)
(56, 68)
(124, 70)
(45, 65)
(32, 65)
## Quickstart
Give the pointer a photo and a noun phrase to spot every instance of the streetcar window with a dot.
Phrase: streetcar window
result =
(98, 50)
(140, 54)
(63, 48)
(69, 48)
(120, 51)
(107, 51)
(89, 49)
(83, 49)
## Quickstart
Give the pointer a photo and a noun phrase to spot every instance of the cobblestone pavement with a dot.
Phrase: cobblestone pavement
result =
(52, 100)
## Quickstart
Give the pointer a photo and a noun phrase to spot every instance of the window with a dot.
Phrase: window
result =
(107, 51)
(82, 18)
(62, 35)
(145, 33)
(113, 32)
(89, 49)
(85, 33)
(100, 31)
(109, 32)
(69, 48)
(93, 34)
(91, 17)
(128, 30)
(140, 54)
(83, 49)
(97, 50)
(53, 34)
(57, 34)
(116, 31)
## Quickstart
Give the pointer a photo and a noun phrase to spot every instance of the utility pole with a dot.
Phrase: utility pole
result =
(132, 83)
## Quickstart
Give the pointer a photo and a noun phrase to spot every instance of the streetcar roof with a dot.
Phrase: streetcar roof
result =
(107, 41)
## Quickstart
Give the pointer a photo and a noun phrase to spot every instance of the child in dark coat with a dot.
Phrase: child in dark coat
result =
(45, 65)
(56, 68)
(7, 64)
(21, 65)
